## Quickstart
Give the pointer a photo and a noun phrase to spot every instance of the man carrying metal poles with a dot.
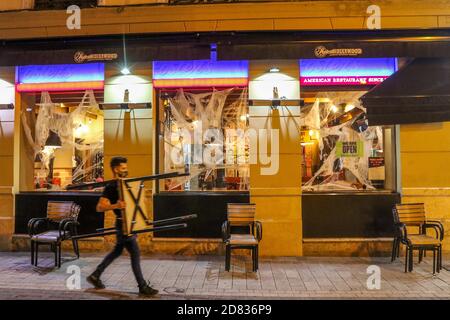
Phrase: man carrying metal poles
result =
(110, 201)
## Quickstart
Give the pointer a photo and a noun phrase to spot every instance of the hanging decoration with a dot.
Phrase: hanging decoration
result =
(50, 120)
(345, 142)
(186, 112)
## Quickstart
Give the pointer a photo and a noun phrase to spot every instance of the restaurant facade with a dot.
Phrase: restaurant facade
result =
(325, 132)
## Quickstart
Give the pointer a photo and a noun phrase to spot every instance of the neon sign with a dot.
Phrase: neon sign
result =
(200, 73)
(346, 71)
(60, 77)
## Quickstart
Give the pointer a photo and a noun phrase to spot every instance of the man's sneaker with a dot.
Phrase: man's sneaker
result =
(146, 290)
(95, 281)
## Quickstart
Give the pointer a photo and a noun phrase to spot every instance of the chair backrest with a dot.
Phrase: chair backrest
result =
(411, 214)
(241, 214)
(58, 210)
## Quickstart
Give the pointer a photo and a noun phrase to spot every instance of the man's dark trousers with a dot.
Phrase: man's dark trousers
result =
(132, 247)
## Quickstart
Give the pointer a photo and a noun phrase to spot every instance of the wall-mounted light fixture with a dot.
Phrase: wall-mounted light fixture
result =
(91, 115)
(7, 106)
(275, 103)
(124, 106)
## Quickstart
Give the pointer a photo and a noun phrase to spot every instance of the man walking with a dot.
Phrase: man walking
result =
(110, 201)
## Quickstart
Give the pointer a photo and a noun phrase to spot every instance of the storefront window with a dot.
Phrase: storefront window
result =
(340, 151)
(63, 134)
(204, 132)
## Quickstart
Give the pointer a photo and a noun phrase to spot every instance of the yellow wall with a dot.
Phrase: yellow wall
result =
(289, 15)
(425, 155)
(278, 197)
(7, 165)
(129, 134)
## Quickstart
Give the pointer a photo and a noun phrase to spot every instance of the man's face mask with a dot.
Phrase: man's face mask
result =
(123, 174)
(122, 171)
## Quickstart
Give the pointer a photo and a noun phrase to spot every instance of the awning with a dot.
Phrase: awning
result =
(356, 44)
(107, 50)
(417, 93)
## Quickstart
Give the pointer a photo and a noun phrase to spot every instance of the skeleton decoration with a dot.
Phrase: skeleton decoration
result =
(51, 117)
(187, 117)
(333, 130)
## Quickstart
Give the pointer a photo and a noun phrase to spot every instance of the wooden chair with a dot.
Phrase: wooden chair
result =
(59, 225)
(411, 215)
(241, 215)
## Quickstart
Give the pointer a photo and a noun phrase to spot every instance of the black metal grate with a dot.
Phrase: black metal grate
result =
(63, 4)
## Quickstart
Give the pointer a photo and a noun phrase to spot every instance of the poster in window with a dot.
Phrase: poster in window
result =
(349, 149)
(376, 168)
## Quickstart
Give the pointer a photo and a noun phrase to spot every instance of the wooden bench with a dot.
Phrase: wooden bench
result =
(410, 215)
(59, 225)
(241, 215)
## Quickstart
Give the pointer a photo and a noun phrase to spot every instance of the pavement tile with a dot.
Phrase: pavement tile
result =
(204, 277)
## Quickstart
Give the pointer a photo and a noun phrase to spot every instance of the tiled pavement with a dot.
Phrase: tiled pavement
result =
(204, 277)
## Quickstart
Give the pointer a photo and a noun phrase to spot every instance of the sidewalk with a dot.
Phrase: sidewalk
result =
(204, 277)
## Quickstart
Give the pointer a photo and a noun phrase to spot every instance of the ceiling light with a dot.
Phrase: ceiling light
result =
(274, 69)
(349, 107)
(125, 71)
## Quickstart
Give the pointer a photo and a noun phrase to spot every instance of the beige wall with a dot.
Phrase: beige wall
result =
(304, 15)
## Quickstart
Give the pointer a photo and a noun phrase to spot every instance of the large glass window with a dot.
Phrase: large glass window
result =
(203, 131)
(341, 152)
(63, 140)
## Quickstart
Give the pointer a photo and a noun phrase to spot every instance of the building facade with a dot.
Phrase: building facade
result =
(296, 218)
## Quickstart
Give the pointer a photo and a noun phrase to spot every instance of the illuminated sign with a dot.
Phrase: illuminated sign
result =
(346, 71)
(60, 77)
(200, 73)
(341, 81)
(322, 52)
(80, 57)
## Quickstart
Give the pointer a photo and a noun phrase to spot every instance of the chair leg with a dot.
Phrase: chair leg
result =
(36, 255)
(420, 255)
(59, 255)
(438, 261)
(75, 248)
(406, 258)
(434, 261)
(32, 251)
(253, 258)
(227, 257)
(55, 250)
(394, 250)
(398, 248)
(256, 258)
(411, 260)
